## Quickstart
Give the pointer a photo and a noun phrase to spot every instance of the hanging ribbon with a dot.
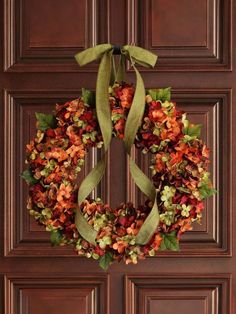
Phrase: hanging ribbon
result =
(134, 119)
(103, 52)
(133, 122)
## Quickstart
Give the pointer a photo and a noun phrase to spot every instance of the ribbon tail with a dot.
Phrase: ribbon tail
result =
(149, 226)
(121, 70)
(104, 119)
(102, 98)
(86, 187)
(113, 73)
(84, 228)
(146, 186)
(136, 112)
(142, 181)
(92, 180)
(133, 122)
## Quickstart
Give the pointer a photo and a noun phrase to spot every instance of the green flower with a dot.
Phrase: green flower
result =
(167, 217)
(168, 105)
(51, 164)
(87, 136)
(103, 242)
(95, 256)
(33, 155)
(185, 210)
(116, 117)
(100, 222)
(78, 245)
(79, 164)
(154, 148)
(80, 123)
(167, 195)
(134, 257)
(156, 131)
(185, 121)
(45, 172)
(35, 214)
(152, 252)
(47, 213)
(130, 239)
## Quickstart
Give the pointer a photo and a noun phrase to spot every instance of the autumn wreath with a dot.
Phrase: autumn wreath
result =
(179, 184)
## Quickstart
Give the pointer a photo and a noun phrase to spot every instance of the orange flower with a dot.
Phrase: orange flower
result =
(74, 138)
(64, 192)
(119, 126)
(176, 158)
(57, 153)
(53, 177)
(72, 151)
(157, 241)
(118, 111)
(62, 218)
(73, 105)
(164, 134)
(127, 97)
(158, 115)
(30, 147)
(132, 230)
(89, 208)
(183, 148)
(191, 183)
(160, 165)
(205, 151)
(120, 246)
(185, 225)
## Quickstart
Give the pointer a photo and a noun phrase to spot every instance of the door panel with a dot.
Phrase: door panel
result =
(178, 294)
(211, 109)
(187, 35)
(64, 294)
(194, 42)
(44, 38)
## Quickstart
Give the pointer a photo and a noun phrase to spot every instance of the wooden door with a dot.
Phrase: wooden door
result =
(194, 41)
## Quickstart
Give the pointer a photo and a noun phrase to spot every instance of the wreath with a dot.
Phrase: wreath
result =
(175, 193)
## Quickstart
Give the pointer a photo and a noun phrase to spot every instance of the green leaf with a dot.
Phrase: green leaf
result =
(162, 94)
(162, 245)
(206, 191)
(169, 242)
(194, 131)
(105, 260)
(88, 96)
(45, 121)
(55, 237)
(152, 93)
(28, 177)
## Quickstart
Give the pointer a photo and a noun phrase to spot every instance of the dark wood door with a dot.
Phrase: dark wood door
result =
(194, 42)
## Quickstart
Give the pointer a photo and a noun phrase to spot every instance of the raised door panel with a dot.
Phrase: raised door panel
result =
(187, 35)
(45, 36)
(211, 109)
(23, 236)
(56, 295)
(167, 294)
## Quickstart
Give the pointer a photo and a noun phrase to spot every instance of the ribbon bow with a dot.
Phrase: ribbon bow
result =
(105, 74)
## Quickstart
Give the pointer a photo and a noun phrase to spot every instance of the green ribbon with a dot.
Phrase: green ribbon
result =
(106, 74)
(103, 52)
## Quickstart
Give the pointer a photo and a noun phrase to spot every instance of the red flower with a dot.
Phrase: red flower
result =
(99, 251)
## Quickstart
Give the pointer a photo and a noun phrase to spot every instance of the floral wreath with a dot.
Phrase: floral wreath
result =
(175, 193)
